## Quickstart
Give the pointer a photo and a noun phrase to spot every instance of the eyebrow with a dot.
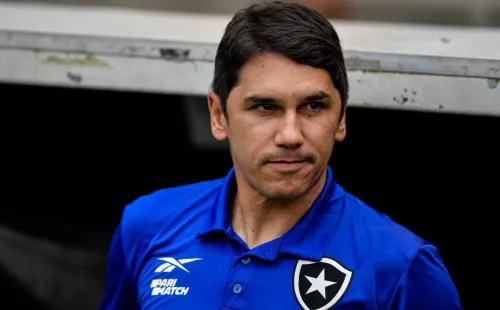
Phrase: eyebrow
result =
(257, 99)
(321, 95)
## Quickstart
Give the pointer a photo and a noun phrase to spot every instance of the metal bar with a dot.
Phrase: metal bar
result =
(368, 61)
(421, 64)
(122, 47)
(410, 91)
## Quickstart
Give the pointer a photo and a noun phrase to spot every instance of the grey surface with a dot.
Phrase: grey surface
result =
(456, 12)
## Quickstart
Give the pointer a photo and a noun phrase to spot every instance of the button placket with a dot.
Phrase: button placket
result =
(238, 281)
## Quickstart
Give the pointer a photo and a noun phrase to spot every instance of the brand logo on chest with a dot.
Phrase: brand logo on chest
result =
(170, 286)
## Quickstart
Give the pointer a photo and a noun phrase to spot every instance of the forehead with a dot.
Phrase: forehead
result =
(278, 75)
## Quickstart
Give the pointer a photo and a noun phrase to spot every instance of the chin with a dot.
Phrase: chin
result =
(285, 191)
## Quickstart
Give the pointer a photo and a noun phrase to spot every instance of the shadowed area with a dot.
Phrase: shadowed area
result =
(74, 158)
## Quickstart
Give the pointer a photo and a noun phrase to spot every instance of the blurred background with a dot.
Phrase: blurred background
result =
(451, 12)
(70, 166)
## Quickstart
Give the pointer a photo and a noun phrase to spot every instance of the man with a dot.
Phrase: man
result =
(277, 232)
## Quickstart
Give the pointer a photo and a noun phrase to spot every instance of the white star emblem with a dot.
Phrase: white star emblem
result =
(319, 284)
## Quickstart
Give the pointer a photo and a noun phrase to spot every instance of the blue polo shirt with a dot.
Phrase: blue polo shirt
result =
(176, 249)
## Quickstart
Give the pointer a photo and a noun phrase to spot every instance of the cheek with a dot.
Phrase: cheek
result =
(247, 138)
(321, 135)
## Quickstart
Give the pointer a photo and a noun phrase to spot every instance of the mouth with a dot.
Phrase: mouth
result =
(287, 165)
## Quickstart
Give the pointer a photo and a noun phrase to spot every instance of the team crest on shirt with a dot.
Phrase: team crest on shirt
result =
(320, 285)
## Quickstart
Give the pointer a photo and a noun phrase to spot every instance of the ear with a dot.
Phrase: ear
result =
(341, 129)
(217, 118)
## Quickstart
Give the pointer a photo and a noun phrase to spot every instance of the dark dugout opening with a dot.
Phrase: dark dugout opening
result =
(73, 158)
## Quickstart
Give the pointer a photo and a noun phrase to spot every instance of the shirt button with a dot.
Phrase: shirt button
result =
(246, 260)
(237, 288)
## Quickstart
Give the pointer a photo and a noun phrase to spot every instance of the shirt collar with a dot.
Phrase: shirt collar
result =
(218, 214)
(308, 239)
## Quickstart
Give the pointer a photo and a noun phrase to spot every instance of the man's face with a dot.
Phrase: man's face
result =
(282, 121)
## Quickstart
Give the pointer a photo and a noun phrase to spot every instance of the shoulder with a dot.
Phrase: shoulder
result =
(380, 233)
(404, 264)
(425, 284)
(150, 213)
(163, 217)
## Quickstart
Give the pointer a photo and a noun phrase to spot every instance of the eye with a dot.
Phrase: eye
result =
(314, 106)
(264, 107)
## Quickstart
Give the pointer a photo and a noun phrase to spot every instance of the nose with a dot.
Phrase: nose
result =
(289, 134)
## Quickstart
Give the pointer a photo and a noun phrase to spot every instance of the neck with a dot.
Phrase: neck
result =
(257, 219)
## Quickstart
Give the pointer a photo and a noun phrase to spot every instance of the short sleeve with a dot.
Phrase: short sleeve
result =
(425, 284)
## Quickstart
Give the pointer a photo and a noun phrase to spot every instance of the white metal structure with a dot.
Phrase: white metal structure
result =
(427, 68)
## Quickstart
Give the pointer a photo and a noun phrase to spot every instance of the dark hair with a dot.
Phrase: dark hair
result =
(290, 29)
